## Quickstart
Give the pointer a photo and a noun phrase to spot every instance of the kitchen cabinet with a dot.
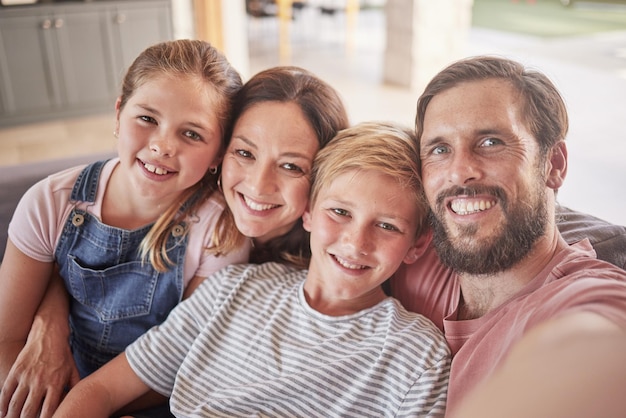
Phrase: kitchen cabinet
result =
(68, 59)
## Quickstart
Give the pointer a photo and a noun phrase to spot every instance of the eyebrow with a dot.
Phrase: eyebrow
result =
(479, 132)
(193, 124)
(291, 154)
(392, 217)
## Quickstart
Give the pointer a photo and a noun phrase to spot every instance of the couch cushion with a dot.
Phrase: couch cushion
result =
(16, 179)
(609, 240)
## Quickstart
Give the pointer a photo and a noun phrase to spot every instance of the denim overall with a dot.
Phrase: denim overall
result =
(115, 297)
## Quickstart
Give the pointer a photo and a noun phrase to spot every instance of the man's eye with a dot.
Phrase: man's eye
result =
(439, 150)
(490, 142)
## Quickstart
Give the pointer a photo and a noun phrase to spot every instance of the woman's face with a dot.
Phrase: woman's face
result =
(266, 169)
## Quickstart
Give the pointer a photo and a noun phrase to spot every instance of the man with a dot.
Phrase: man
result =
(493, 158)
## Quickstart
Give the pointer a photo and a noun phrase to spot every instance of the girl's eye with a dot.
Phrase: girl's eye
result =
(192, 135)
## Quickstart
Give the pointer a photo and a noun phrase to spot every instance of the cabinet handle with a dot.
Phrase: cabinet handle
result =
(46, 24)
(120, 18)
(58, 23)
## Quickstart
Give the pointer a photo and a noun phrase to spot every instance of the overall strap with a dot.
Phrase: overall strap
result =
(86, 184)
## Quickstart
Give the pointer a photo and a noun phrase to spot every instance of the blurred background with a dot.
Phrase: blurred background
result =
(377, 53)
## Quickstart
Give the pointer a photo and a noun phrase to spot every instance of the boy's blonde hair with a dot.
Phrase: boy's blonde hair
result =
(381, 146)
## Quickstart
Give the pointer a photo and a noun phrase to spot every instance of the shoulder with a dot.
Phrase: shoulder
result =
(579, 261)
(415, 331)
(267, 275)
(206, 215)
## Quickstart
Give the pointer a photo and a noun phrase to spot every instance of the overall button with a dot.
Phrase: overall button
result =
(178, 230)
(78, 219)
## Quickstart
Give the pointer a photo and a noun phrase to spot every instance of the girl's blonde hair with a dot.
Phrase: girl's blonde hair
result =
(381, 146)
(192, 59)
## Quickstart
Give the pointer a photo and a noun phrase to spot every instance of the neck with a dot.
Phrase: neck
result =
(481, 294)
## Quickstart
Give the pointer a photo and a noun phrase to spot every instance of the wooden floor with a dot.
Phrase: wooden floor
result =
(57, 139)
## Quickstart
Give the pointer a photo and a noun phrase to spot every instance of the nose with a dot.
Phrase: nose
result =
(261, 179)
(464, 167)
(163, 145)
(359, 238)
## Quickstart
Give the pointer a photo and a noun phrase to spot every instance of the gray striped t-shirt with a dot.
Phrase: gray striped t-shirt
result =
(246, 343)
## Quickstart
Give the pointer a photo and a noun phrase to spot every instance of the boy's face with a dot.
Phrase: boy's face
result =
(362, 227)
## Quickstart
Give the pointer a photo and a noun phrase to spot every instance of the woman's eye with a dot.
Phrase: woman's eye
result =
(148, 119)
(293, 167)
(243, 153)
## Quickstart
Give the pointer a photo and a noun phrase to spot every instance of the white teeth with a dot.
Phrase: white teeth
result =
(467, 208)
(348, 265)
(154, 169)
(257, 206)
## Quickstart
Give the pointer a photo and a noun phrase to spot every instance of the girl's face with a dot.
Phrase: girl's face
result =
(169, 136)
(266, 169)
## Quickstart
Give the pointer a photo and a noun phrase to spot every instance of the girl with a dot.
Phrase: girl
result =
(129, 236)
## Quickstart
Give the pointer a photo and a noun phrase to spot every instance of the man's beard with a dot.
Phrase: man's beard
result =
(524, 224)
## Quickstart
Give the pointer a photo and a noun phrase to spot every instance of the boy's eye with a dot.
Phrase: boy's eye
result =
(340, 212)
(388, 227)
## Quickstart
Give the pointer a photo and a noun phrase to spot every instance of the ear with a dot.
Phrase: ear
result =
(306, 218)
(420, 246)
(557, 166)
(118, 103)
(217, 160)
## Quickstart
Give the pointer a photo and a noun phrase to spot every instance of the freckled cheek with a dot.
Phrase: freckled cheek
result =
(325, 232)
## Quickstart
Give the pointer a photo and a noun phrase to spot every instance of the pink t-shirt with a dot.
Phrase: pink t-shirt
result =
(43, 210)
(573, 281)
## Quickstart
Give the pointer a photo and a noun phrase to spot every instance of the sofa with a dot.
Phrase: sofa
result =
(16, 179)
(609, 240)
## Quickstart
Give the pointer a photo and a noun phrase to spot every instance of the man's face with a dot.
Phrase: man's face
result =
(483, 177)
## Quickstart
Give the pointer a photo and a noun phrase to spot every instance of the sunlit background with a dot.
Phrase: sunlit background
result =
(379, 54)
